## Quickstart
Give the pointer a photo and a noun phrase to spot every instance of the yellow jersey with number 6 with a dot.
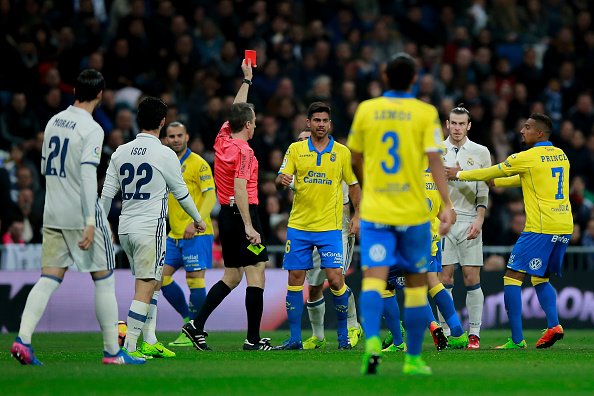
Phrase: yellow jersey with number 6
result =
(394, 132)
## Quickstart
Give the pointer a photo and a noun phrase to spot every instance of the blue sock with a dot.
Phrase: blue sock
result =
(512, 295)
(197, 297)
(174, 294)
(371, 307)
(429, 314)
(548, 301)
(341, 304)
(392, 317)
(444, 302)
(294, 311)
(415, 322)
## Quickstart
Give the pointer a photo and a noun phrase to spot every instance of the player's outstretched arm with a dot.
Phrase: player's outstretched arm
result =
(508, 182)
(493, 172)
(242, 94)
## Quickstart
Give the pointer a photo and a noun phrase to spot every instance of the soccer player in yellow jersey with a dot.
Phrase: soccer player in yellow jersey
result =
(390, 138)
(443, 300)
(319, 165)
(542, 172)
(184, 246)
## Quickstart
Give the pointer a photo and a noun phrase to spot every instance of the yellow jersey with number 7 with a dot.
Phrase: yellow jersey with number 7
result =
(394, 132)
(543, 174)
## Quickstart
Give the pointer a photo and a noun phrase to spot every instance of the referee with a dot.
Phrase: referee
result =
(236, 178)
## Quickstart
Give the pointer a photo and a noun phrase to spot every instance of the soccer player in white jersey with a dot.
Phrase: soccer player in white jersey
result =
(464, 244)
(74, 226)
(316, 305)
(146, 170)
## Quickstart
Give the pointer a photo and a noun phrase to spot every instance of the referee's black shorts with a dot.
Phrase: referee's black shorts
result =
(234, 242)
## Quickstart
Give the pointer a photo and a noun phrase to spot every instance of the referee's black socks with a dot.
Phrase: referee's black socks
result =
(254, 305)
(215, 296)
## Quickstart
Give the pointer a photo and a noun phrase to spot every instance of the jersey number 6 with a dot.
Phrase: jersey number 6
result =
(127, 170)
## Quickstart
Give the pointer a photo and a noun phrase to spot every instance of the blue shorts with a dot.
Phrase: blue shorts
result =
(300, 244)
(403, 247)
(194, 254)
(538, 254)
(396, 276)
(435, 263)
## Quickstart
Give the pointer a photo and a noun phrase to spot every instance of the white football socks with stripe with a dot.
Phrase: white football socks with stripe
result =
(316, 317)
(139, 311)
(148, 331)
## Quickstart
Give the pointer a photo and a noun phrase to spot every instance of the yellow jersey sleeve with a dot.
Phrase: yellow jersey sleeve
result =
(483, 174)
(508, 182)
(204, 177)
(433, 136)
(347, 168)
(288, 165)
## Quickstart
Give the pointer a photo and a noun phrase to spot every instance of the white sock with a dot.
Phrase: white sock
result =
(136, 319)
(316, 311)
(148, 331)
(106, 309)
(35, 306)
(352, 312)
(475, 300)
(442, 321)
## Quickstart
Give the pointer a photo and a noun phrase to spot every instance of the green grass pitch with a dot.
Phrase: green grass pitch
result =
(73, 367)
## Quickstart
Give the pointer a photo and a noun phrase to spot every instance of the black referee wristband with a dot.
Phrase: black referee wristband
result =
(245, 80)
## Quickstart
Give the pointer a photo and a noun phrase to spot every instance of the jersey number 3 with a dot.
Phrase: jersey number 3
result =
(49, 169)
(127, 170)
(392, 151)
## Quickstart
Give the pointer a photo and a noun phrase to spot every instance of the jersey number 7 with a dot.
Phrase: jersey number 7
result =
(559, 171)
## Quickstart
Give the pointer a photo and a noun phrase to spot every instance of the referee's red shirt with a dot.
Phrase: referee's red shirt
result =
(234, 158)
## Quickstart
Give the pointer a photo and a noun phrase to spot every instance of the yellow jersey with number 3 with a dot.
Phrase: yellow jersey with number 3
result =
(544, 175)
(394, 132)
(198, 178)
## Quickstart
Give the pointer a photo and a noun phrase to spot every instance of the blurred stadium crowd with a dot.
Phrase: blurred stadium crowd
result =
(504, 59)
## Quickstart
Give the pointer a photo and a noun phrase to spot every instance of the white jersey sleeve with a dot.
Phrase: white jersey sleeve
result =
(345, 193)
(177, 185)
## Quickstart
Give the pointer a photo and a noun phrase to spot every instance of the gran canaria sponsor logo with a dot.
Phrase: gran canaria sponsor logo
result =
(561, 209)
(317, 178)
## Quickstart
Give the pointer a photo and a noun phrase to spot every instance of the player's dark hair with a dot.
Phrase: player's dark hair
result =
(239, 114)
(176, 124)
(88, 85)
(460, 109)
(150, 113)
(318, 107)
(306, 129)
(546, 124)
(401, 71)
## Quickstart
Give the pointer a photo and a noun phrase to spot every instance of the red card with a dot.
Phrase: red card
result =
(249, 54)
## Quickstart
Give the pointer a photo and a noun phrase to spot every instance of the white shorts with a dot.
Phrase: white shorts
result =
(60, 249)
(317, 275)
(456, 249)
(146, 254)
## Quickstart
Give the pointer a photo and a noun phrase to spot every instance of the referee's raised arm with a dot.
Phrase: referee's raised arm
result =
(242, 94)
